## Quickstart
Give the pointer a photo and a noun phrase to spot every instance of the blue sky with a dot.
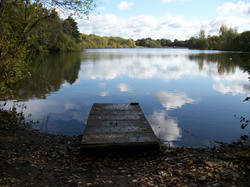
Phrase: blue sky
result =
(171, 19)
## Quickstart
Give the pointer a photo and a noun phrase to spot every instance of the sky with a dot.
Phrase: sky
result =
(170, 19)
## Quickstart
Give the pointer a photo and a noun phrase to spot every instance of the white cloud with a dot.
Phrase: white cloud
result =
(104, 25)
(124, 5)
(165, 127)
(173, 100)
(124, 87)
(230, 8)
(212, 26)
(167, 26)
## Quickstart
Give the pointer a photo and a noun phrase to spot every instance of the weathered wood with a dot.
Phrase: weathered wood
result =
(118, 126)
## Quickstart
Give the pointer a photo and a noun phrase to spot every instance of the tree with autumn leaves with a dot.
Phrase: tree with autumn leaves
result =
(34, 26)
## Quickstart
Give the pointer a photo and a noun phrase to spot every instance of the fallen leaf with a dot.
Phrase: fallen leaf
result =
(202, 178)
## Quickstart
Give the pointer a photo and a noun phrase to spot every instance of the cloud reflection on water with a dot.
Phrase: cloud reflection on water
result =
(233, 88)
(104, 94)
(173, 100)
(124, 87)
(165, 127)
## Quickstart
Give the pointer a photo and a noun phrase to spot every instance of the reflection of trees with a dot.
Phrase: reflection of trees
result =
(112, 55)
(226, 62)
(48, 73)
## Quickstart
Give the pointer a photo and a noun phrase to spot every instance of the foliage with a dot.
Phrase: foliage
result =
(70, 27)
(94, 41)
(56, 35)
(243, 41)
(149, 42)
(16, 36)
(74, 7)
(227, 38)
(13, 119)
(33, 26)
(244, 122)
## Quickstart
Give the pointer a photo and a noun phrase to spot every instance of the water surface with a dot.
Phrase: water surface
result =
(190, 97)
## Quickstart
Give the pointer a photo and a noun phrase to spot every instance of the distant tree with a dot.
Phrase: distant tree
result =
(198, 43)
(151, 43)
(166, 42)
(227, 38)
(223, 31)
(202, 34)
(202, 41)
(213, 42)
(243, 41)
(141, 42)
(94, 41)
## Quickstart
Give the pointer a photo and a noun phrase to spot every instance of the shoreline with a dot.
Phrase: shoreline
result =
(29, 157)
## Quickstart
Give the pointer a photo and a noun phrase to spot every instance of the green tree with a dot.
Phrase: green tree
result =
(227, 38)
(94, 41)
(202, 34)
(202, 41)
(19, 24)
(166, 42)
(244, 41)
(213, 42)
(223, 31)
(70, 27)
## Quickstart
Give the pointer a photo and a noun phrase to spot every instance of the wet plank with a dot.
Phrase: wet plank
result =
(118, 126)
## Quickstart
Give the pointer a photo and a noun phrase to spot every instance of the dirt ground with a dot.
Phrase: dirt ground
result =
(31, 158)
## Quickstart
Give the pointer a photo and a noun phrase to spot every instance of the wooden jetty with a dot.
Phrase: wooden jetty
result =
(115, 126)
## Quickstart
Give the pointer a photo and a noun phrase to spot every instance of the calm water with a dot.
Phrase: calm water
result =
(190, 97)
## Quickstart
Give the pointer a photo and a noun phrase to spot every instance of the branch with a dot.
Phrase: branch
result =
(35, 23)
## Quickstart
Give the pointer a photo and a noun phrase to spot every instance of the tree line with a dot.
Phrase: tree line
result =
(228, 39)
(94, 41)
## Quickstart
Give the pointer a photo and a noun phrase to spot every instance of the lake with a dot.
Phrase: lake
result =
(190, 97)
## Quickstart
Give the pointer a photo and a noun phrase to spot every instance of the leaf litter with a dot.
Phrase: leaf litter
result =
(32, 158)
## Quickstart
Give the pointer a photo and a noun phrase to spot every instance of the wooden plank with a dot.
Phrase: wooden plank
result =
(118, 125)
(118, 138)
(108, 123)
(116, 130)
(111, 117)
